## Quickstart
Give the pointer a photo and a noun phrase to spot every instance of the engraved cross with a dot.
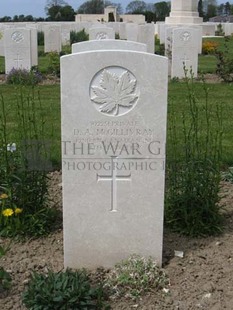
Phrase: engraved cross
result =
(18, 60)
(113, 178)
(185, 60)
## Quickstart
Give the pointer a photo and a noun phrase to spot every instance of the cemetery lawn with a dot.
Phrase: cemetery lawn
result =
(50, 100)
(207, 63)
(200, 280)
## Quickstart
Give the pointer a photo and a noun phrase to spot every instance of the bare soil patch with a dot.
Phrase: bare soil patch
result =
(202, 279)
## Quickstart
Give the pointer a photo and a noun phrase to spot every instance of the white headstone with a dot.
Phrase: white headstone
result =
(108, 45)
(65, 34)
(52, 39)
(146, 35)
(132, 32)
(122, 31)
(101, 33)
(2, 51)
(208, 29)
(34, 45)
(184, 51)
(17, 42)
(114, 106)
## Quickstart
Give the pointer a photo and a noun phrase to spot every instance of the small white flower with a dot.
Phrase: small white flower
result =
(11, 147)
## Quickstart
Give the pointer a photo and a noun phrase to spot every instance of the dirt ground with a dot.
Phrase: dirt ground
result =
(202, 279)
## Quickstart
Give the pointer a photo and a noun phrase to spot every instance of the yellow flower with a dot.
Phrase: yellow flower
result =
(7, 212)
(3, 196)
(18, 210)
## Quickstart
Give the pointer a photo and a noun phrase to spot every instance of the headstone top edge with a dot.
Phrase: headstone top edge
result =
(73, 55)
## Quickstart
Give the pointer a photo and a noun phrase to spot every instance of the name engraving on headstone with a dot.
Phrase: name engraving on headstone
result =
(17, 36)
(114, 91)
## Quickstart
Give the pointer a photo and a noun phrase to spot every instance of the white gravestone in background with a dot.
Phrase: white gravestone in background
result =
(132, 32)
(108, 44)
(185, 47)
(2, 52)
(114, 112)
(17, 42)
(101, 33)
(146, 35)
(52, 39)
(34, 45)
(122, 31)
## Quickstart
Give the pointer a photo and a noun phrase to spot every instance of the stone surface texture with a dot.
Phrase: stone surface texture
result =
(17, 45)
(114, 112)
(109, 45)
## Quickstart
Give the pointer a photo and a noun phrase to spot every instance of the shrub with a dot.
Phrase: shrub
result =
(219, 31)
(79, 36)
(225, 62)
(24, 77)
(62, 290)
(135, 276)
(209, 47)
(193, 176)
(159, 48)
(54, 63)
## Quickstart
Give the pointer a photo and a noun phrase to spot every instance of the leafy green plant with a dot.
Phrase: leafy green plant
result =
(219, 31)
(63, 290)
(193, 175)
(228, 175)
(24, 77)
(66, 49)
(225, 62)
(54, 63)
(79, 36)
(5, 278)
(24, 165)
(209, 47)
(159, 48)
(135, 276)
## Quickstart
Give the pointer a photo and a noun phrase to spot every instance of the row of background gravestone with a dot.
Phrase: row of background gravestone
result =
(182, 45)
(130, 31)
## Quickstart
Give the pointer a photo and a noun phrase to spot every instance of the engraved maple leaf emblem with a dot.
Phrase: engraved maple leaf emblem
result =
(114, 91)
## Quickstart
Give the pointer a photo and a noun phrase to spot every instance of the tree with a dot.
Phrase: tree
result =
(136, 7)
(52, 3)
(61, 13)
(162, 10)
(211, 11)
(93, 7)
(227, 8)
(200, 8)
(221, 9)
(97, 7)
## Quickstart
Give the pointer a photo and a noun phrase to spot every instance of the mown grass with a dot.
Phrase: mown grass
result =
(47, 103)
(220, 94)
(50, 101)
(208, 63)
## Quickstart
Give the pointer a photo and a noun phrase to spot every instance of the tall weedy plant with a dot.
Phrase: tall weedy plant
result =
(193, 166)
(24, 164)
